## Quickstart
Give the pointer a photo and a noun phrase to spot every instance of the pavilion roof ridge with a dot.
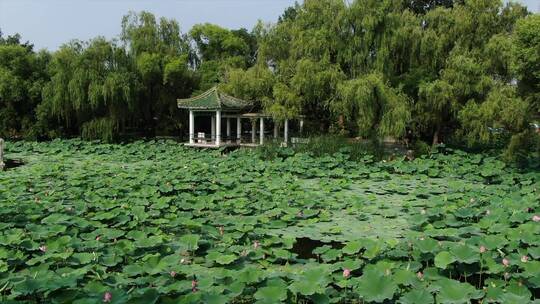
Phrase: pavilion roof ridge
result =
(206, 93)
(214, 99)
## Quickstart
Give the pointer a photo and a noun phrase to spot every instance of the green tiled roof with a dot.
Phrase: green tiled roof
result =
(214, 99)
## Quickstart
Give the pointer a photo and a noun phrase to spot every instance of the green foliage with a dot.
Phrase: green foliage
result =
(22, 77)
(81, 219)
(527, 40)
(220, 49)
(375, 107)
(432, 70)
(326, 145)
(374, 68)
(91, 88)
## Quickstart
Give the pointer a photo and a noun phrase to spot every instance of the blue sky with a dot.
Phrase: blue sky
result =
(49, 23)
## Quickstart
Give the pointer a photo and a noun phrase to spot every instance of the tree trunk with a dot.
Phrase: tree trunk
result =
(436, 136)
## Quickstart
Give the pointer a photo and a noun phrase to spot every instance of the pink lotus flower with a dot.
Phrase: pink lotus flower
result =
(420, 275)
(107, 297)
(256, 245)
(506, 262)
(524, 259)
(194, 284)
(483, 249)
(173, 273)
(346, 273)
(98, 238)
(43, 248)
(536, 218)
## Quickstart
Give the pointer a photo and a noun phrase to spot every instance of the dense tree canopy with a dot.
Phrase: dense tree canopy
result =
(465, 71)
(22, 77)
(443, 69)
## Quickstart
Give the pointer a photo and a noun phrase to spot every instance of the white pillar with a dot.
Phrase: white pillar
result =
(253, 130)
(228, 129)
(261, 135)
(191, 127)
(301, 126)
(275, 130)
(213, 129)
(239, 129)
(218, 127)
(286, 131)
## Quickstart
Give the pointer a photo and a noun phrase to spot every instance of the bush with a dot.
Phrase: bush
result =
(324, 145)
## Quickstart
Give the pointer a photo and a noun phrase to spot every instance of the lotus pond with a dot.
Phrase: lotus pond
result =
(154, 222)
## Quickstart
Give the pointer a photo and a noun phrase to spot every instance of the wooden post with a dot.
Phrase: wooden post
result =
(275, 129)
(228, 129)
(218, 127)
(261, 135)
(191, 127)
(239, 129)
(253, 130)
(286, 132)
(2, 165)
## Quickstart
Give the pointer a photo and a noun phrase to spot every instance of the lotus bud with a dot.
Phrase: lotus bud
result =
(524, 259)
(471, 200)
(423, 211)
(221, 230)
(420, 275)
(488, 212)
(173, 273)
(43, 248)
(506, 262)
(483, 249)
(256, 245)
(98, 238)
(107, 297)
(346, 273)
(194, 284)
(536, 218)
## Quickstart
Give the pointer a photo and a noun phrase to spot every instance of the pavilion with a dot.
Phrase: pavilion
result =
(220, 106)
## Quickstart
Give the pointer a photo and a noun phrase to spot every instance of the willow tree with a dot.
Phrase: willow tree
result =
(93, 89)
(464, 53)
(375, 108)
(302, 52)
(255, 84)
(163, 58)
(219, 49)
(526, 40)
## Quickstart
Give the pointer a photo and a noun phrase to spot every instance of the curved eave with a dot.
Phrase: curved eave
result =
(215, 100)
